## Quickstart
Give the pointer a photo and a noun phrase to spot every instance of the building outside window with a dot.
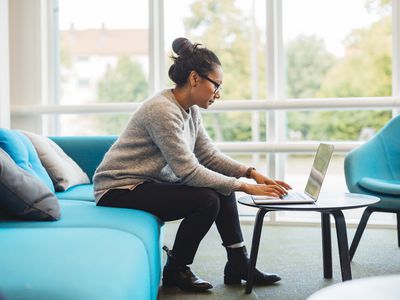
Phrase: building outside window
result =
(109, 45)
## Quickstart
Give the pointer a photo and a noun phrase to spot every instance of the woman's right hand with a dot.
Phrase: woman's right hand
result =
(272, 190)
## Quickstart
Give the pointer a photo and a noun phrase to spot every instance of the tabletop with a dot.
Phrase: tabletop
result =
(371, 288)
(327, 201)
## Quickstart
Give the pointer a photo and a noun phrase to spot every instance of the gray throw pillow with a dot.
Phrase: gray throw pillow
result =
(64, 172)
(23, 195)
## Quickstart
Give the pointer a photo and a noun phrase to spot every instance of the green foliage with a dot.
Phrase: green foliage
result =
(364, 71)
(338, 125)
(312, 72)
(111, 124)
(124, 83)
(307, 63)
(222, 27)
(226, 30)
(232, 126)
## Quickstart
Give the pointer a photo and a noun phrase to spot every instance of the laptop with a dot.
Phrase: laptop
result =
(314, 183)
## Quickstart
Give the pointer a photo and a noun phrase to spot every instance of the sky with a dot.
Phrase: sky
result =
(330, 20)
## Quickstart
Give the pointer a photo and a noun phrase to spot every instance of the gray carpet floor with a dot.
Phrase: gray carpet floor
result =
(295, 253)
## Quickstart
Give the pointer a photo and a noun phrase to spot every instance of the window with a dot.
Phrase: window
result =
(92, 124)
(337, 49)
(82, 83)
(226, 27)
(106, 42)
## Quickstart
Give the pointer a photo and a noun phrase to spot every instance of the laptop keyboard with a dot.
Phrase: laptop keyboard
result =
(294, 195)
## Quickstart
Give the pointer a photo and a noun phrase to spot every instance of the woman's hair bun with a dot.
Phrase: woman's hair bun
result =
(190, 57)
(182, 46)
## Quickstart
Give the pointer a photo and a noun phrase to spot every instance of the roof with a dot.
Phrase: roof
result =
(105, 41)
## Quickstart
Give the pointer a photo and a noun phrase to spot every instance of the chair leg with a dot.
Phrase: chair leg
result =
(360, 229)
(398, 229)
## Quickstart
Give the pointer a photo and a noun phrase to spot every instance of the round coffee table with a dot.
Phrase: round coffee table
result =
(327, 204)
(369, 288)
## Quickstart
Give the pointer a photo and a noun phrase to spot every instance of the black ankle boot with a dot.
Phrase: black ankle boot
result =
(179, 275)
(237, 267)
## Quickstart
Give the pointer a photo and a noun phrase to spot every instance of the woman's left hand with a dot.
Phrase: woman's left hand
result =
(261, 179)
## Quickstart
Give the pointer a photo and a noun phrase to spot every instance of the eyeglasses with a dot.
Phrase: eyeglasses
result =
(217, 86)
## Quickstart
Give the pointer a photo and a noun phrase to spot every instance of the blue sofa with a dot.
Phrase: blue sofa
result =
(90, 253)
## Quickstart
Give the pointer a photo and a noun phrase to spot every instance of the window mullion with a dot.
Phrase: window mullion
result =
(396, 52)
(274, 84)
(156, 46)
(4, 63)
(275, 80)
(271, 79)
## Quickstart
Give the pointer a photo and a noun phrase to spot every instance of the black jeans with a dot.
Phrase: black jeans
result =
(199, 208)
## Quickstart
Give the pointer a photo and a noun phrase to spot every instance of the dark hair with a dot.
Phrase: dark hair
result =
(190, 57)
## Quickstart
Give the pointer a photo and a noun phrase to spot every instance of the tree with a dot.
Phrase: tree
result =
(366, 68)
(365, 71)
(307, 61)
(225, 29)
(124, 83)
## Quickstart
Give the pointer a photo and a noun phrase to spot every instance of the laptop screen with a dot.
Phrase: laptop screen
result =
(318, 170)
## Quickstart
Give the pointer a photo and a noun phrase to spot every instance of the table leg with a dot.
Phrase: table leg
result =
(342, 245)
(326, 244)
(254, 248)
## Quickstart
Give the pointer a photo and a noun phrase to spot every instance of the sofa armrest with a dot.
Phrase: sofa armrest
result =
(86, 151)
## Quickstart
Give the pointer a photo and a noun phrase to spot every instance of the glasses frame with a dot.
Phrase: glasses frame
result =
(217, 86)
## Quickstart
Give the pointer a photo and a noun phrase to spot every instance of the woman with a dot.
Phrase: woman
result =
(165, 163)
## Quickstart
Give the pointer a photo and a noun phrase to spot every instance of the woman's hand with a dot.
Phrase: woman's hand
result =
(261, 179)
(272, 190)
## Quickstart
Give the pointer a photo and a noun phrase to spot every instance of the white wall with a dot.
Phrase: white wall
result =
(4, 69)
(28, 59)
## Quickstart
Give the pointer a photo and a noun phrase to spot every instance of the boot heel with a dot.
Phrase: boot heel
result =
(232, 280)
(168, 283)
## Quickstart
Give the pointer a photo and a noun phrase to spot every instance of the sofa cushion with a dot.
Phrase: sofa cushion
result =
(73, 263)
(141, 224)
(384, 186)
(86, 151)
(64, 172)
(21, 150)
(23, 195)
(83, 192)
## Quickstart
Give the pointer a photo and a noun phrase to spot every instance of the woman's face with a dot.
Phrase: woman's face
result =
(209, 87)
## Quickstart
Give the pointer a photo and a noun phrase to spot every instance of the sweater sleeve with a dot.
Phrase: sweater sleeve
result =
(165, 124)
(211, 157)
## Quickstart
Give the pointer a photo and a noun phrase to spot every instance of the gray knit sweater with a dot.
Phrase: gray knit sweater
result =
(164, 143)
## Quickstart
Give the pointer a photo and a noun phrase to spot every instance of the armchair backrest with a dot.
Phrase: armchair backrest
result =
(390, 138)
(377, 158)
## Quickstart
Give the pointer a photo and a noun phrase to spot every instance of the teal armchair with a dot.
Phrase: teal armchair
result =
(374, 169)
